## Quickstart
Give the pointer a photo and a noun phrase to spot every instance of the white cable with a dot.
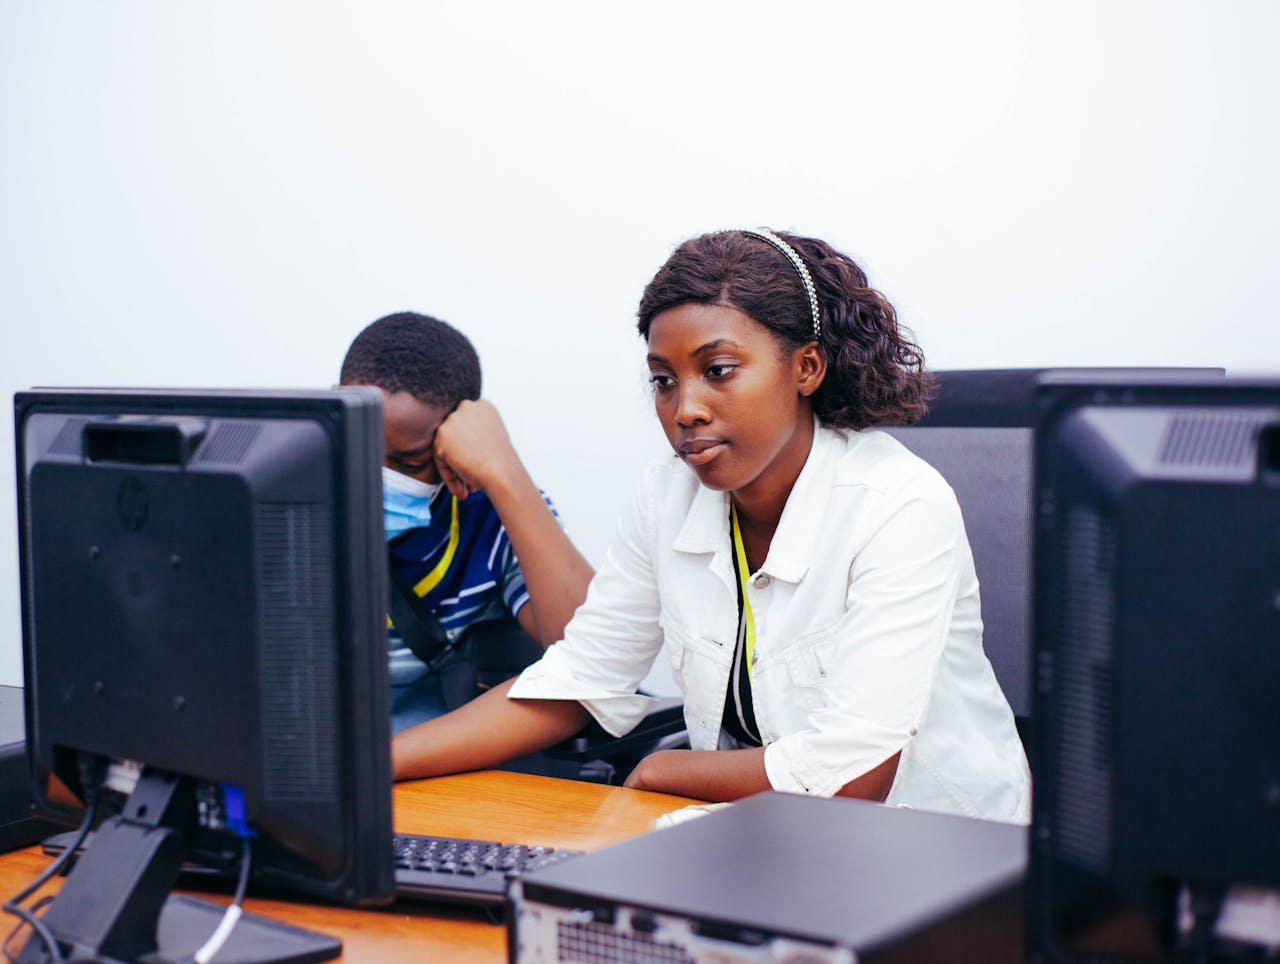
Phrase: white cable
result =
(231, 917)
(214, 943)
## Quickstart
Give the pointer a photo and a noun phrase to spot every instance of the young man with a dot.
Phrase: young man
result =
(471, 541)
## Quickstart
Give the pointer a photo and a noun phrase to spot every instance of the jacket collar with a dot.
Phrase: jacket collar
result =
(706, 524)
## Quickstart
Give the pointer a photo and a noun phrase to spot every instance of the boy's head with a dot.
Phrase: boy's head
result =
(424, 368)
(417, 354)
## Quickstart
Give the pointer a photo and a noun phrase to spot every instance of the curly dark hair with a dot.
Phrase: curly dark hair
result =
(418, 354)
(875, 372)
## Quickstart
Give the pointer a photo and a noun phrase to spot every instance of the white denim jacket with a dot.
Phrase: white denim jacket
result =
(868, 633)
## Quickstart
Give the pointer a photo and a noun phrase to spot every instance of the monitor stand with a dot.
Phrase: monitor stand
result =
(115, 905)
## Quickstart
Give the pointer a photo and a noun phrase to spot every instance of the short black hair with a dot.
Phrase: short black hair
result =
(418, 354)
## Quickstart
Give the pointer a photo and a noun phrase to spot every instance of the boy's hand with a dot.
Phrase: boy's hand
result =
(473, 450)
(473, 453)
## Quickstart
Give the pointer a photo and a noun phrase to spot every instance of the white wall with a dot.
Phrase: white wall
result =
(223, 193)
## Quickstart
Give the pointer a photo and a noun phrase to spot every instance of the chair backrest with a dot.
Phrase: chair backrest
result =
(979, 434)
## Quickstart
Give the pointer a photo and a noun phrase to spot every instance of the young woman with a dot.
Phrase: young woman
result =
(809, 577)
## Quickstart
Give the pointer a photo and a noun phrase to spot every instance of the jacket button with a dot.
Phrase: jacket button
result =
(762, 582)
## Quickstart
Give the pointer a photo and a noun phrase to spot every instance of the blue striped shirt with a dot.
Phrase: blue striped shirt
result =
(483, 580)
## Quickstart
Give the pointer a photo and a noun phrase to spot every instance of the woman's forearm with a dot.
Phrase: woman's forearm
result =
(717, 775)
(721, 775)
(489, 730)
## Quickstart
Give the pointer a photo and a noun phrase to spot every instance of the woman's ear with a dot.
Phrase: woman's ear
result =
(810, 368)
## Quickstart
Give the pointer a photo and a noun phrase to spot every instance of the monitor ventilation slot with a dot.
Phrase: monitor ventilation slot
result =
(1210, 439)
(1084, 688)
(68, 440)
(300, 691)
(229, 443)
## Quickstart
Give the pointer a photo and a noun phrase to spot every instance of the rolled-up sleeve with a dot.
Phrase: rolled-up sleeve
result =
(615, 635)
(884, 654)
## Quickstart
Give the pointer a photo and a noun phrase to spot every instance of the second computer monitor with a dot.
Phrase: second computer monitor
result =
(1157, 625)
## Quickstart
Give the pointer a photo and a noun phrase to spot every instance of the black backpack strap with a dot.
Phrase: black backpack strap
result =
(484, 654)
(488, 653)
(421, 631)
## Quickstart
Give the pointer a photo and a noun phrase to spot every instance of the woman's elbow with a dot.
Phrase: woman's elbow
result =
(875, 784)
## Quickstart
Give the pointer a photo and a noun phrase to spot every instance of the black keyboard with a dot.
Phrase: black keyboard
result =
(453, 870)
(459, 870)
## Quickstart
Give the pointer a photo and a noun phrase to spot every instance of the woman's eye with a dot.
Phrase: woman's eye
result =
(660, 382)
(720, 371)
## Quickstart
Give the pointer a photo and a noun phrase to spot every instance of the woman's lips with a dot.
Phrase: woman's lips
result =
(700, 451)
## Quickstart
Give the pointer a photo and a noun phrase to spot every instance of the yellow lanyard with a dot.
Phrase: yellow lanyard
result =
(432, 579)
(747, 623)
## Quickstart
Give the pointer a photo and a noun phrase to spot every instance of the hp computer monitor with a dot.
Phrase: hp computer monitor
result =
(1156, 717)
(203, 603)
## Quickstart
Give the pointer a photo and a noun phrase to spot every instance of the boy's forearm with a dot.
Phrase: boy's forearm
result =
(489, 730)
(555, 572)
(473, 451)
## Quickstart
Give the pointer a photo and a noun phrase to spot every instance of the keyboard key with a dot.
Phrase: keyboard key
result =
(459, 870)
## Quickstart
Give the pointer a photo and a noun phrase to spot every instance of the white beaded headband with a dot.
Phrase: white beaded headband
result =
(764, 234)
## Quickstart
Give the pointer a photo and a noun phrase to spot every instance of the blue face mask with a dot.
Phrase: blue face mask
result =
(406, 502)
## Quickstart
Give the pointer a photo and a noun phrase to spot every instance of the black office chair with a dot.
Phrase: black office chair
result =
(979, 434)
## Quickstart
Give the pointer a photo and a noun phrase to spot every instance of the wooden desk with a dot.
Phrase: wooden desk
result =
(491, 805)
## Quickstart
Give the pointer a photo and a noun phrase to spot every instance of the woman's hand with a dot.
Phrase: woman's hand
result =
(647, 774)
